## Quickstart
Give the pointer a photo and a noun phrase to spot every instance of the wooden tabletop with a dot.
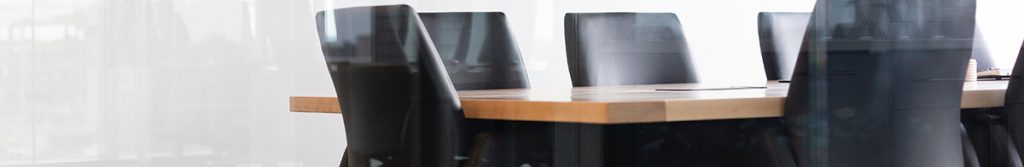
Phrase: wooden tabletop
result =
(639, 103)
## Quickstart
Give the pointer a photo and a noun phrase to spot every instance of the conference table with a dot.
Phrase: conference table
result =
(640, 103)
(579, 114)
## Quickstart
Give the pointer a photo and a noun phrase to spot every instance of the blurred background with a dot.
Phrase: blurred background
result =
(206, 82)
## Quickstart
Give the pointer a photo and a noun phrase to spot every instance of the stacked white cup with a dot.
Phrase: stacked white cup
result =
(972, 71)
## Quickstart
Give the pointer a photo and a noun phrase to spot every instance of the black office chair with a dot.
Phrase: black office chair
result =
(626, 48)
(479, 52)
(606, 49)
(781, 34)
(1013, 107)
(399, 107)
(478, 49)
(878, 83)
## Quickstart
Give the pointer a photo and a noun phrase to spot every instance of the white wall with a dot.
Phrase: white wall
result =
(205, 82)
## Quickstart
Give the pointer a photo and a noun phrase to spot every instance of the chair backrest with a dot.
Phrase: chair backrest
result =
(626, 48)
(781, 34)
(400, 109)
(477, 49)
(1014, 104)
(879, 82)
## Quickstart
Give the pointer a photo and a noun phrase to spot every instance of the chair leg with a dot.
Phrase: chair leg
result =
(480, 143)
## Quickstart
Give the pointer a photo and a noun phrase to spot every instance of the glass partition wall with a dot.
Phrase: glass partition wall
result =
(780, 83)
